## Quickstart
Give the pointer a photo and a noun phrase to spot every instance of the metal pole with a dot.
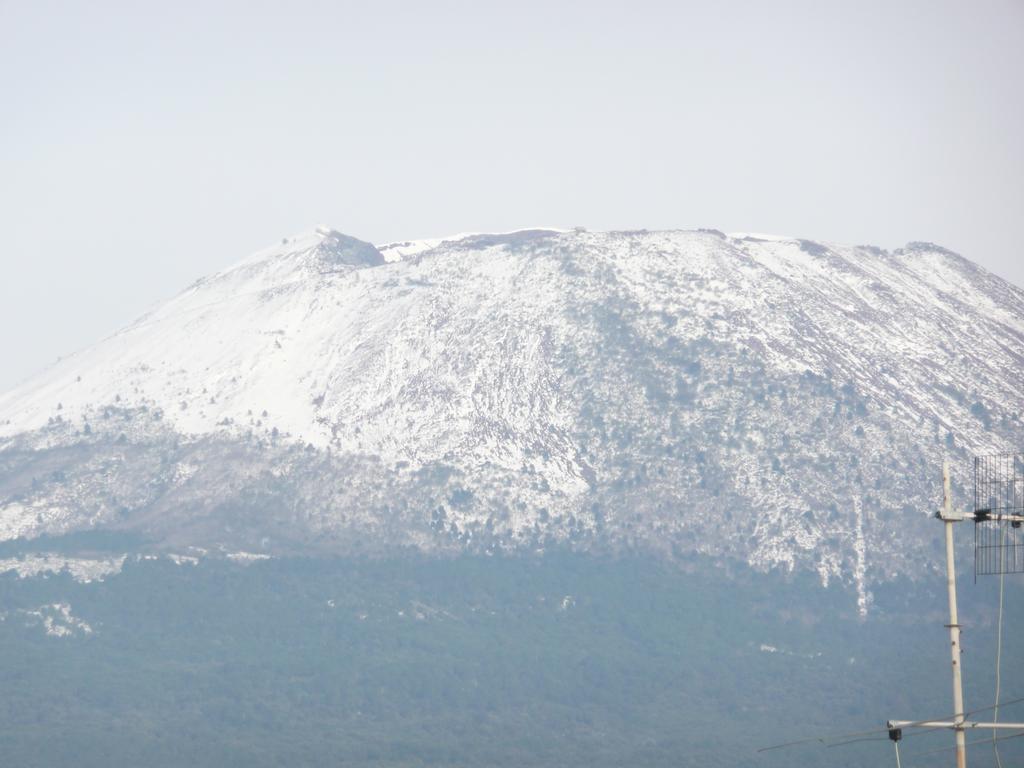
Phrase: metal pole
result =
(954, 626)
(966, 725)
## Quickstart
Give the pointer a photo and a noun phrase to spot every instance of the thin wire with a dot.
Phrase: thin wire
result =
(817, 739)
(857, 741)
(922, 731)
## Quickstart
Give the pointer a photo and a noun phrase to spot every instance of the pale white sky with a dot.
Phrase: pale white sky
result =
(143, 145)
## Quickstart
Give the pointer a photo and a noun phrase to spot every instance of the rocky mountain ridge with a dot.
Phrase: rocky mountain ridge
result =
(770, 400)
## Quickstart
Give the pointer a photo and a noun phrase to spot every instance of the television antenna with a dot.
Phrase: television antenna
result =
(998, 550)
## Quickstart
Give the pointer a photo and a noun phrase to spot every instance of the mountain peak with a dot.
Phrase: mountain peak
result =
(337, 248)
(492, 391)
(322, 245)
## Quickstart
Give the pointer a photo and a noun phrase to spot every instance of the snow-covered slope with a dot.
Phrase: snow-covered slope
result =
(773, 400)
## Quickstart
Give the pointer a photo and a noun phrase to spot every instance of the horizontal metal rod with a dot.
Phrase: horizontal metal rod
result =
(980, 517)
(998, 517)
(967, 725)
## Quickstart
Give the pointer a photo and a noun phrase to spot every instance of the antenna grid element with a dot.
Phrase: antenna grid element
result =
(998, 494)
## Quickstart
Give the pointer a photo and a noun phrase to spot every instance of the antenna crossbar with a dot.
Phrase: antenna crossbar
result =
(978, 516)
(966, 725)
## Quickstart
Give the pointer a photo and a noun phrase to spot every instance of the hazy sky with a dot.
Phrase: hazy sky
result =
(143, 145)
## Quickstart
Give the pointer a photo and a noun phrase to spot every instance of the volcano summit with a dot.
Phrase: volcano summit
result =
(773, 401)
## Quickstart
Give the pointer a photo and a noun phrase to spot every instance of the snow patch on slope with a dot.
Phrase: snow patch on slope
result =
(81, 569)
(56, 620)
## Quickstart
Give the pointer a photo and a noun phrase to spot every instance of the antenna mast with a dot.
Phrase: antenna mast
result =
(1005, 506)
(948, 517)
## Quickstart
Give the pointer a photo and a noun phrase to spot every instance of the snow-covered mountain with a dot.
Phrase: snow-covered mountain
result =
(771, 400)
